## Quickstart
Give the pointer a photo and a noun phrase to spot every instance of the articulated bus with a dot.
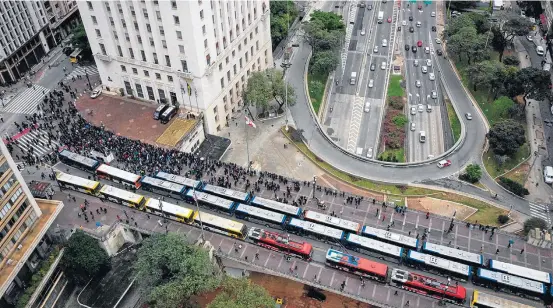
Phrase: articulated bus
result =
(78, 161)
(357, 242)
(189, 183)
(214, 202)
(331, 221)
(320, 232)
(162, 187)
(280, 242)
(276, 206)
(118, 176)
(121, 196)
(220, 225)
(169, 210)
(234, 195)
(485, 300)
(459, 255)
(77, 183)
(438, 265)
(510, 284)
(520, 271)
(255, 214)
(356, 265)
(390, 237)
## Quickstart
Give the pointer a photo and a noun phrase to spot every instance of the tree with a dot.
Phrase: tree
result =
(171, 271)
(283, 14)
(463, 21)
(461, 5)
(481, 22)
(324, 62)
(472, 174)
(84, 258)
(268, 85)
(242, 293)
(469, 42)
(514, 25)
(505, 137)
(482, 73)
(511, 60)
(80, 39)
(534, 223)
(331, 21)
(324, 31)
(514, 187)
(503, 219)
(535, 83)
(502, 107)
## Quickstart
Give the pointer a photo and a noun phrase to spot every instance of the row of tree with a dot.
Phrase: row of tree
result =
(325, 33)
(168, 270)
(283, 14)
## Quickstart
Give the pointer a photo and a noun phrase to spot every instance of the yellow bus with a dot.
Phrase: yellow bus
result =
(220, 225)
(75, 55)
(121, 196)
(169, 210)
(484, 300)
(77, 183)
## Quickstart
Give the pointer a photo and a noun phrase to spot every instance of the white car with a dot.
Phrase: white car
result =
(427, 50)
(384, 43)
(371, 83)
(375, 49)
(413, 110)
(420, 107)
(370, 153)
(433, 14)
(418, 83)
(419, 24)
(383, 65)
(434, 94)
(428, 62)
(412, 126)
(424, 69)
(431, 76)
(416, 63)
(363, 32)
(404, 23)
(529, 37)
(438, 41)
(367, 107)
(95, 93)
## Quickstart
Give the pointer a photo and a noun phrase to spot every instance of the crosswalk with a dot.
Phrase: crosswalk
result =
(38, 140)
(27, 101)
(540, 211)
(91, 70)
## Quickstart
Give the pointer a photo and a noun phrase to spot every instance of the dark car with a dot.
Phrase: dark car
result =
(433, 28)
(414, 48)
(373, 66)
(439, 52)
(399, 28)
(411, 29)
(410, 18)
(407, 47)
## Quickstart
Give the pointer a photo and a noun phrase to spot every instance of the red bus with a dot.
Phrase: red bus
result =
(427, 286)
(357, 265)
(280, 242)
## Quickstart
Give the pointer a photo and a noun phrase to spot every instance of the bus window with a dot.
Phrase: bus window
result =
(75, 56)
(159, 111)
(168, 114)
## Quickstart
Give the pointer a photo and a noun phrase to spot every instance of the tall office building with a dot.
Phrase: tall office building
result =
(24, 221)
(25, 37)
(197, 53)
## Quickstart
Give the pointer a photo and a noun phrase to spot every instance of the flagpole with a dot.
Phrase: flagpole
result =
(247, 141)
(199, 215)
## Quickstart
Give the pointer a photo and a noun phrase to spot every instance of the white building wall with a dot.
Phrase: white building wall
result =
(211, 36)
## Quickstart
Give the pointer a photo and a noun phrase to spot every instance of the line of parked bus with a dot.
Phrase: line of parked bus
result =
(439, 259)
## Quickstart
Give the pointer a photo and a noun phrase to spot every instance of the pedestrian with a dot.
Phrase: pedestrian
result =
(497, 251)
(522, 251)
(395, 293)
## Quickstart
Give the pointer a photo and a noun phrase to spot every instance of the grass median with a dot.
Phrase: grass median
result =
(453, 121)
(316, 84)
(394, 88)
(486, 213)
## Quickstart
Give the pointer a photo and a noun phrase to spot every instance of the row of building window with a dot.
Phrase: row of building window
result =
(6, 208)
(17, 235)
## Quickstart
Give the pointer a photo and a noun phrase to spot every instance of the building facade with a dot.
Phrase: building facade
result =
(24, 221)
(197, 54)
(25, 38)
(63, 16)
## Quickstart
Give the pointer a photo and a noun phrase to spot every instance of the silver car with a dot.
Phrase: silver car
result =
(434, 94)
(413, 110)
(431, 76)
(370, 153)
(371, 83)
(412, 126)
(424, 69)
(416, 63)
(428, 62)
(384, 43)
(418, 83)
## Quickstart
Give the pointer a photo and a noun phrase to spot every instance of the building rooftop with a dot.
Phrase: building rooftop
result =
(213, 147)
(178, 129)
(50, 210)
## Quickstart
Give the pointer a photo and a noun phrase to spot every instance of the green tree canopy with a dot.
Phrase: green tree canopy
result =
(171, 271)
(242, 293)
(482, 74)
(473, 173)
(458, 23)
(283, 14)
(511, 26)
(324, 62)
(268, 85)
(533, 223)
(535, 83)
(331, 21)
(506, 137)
(467, 41)
(80, 39)
(84, 258)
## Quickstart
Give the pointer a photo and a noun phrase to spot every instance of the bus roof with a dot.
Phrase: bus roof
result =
(513, 281)
(178, 179)
(261, 213)
(121, 194)
(75, 52)
(86, 161)
(226, 192)
(317, 228)
(357, 262)
(372, 244)
(170, 208)
(333, 221)
(492, 301)
(225, 223)
(211, 199)
(118, 173)
(437, 262)
(277, 206)
(457, 254)
(521, 271)
(401, 239)
(174, 187)
(81, 182)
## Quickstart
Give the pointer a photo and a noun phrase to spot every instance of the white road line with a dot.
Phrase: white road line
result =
(27, 101)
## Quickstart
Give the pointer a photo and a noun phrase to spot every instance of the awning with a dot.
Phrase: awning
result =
(543, 19)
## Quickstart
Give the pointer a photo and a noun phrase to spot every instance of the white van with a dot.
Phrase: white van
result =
(359, 151)
(422, 137)
(380, 17)
(539, 50)
(548, 174)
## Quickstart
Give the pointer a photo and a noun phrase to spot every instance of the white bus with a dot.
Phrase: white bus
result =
(512, 284)
(372, 245)
(121, 196)
(437, 265)
(276, 206)
(220, 225)
(190, 183)
(78, 161)
(217, 203)
(118, 176)
(162, 187)
(227, 193)
(265, 217)
(331, 221)
(171, 211)
(390, 237)
(520, 271)
(453, 254)
(77, 183)
(303, 227)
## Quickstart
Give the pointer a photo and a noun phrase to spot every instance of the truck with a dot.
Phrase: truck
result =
(353, 78)
(380, 17)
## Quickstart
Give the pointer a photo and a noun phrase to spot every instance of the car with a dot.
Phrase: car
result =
(371, 83)
(384, 43)
(389, 19)
(414, 48)
(530, 38)
(428, 62)
(418, 83)
(383, 65)
(362, 31)
(404, 23)
(419, 24)
(370, 7)
(95, 93)
(433, 28)
(433, 14)
(413, 110)
(407, 47)
(434, 94)
(427, 49)
(399, 28)
(468, 116)
(432, 76)
(375, 49)
(416, 63)
(370, 153)
(419, 44)
(411, 29)
(438, 41)
(420, 107)
(373, 66)
(367, 107)
(551, 109)
(413, 126)
(410, 18)
(424, 69)
(444, 163)
(428, 108)
(439, 52)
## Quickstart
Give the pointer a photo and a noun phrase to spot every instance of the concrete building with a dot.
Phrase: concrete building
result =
(24, 221)
(195, 53)
(25, 37)
(62, 16)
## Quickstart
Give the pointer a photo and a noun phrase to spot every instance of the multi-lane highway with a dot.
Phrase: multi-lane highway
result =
(421, 72)
(354, 111)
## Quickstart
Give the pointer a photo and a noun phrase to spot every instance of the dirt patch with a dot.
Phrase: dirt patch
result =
(519, 174)
(341, 186)
(440, 207)
(292, 293)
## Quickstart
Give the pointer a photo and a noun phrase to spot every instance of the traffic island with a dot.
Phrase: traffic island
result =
(392, 139)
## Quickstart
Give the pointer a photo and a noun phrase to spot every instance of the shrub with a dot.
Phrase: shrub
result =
(514, 187)
(396, 102)
(400, 120)
(472, 174)
(534, 223)
(393, 136)
(503, 219)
